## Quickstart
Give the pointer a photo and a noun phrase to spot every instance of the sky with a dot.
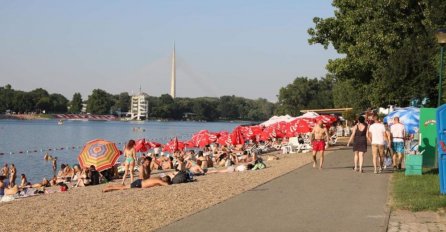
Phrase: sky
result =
(248, 48)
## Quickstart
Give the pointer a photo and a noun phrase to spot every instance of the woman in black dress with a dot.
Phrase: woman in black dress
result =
(359, 137)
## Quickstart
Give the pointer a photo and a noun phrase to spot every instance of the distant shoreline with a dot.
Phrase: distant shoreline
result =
(54, 117)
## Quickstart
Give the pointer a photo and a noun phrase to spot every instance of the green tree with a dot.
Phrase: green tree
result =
(44, 104)
(6, 98)
(59, 103)
(76, 103)
(305, 93)
(123, 102)
(388, 46)
(37, 95)
(228, 107)
(22, 102)
(205, 109)
(99, 102)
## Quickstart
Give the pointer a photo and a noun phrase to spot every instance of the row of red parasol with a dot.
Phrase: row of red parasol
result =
(104, 154)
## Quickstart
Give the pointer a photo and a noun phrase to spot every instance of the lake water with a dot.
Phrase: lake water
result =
(23, 138)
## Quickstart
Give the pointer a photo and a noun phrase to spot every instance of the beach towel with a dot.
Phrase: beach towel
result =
(7, 198)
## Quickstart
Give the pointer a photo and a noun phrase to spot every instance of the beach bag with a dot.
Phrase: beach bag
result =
(388, 161)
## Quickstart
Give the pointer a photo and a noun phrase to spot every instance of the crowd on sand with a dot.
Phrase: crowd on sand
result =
(144, 170)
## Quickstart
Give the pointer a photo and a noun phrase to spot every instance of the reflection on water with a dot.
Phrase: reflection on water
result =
(22, 136)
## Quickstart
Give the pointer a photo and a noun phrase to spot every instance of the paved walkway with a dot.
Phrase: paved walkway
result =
(306, 199)
(424, 221)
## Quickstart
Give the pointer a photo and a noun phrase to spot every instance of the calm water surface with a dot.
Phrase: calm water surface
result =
(22, 136)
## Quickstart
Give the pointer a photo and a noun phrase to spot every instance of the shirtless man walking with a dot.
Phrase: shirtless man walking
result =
(319, 137)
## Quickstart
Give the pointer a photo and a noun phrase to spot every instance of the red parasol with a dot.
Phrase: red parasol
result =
(141, 146)
(203, 138)
(174, 145)
(237, 137)
(224, 138)
(153, 144)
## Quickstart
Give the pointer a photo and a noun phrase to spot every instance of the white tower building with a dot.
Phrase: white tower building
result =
(173, 78)
(139, 108)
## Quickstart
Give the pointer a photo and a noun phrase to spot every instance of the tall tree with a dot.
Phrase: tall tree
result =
(388, 45)
(59, 103)
(305, 93)
(123, 102)
(76, 103)
(99, 102)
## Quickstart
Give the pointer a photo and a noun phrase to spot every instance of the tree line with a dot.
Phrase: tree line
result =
(162, 107)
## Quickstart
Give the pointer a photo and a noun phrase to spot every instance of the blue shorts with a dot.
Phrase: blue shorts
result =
(398, 147)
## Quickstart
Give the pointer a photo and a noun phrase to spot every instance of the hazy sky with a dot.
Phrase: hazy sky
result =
(247, 48)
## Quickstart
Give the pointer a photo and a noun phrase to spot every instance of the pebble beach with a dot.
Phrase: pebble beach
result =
(90, 209)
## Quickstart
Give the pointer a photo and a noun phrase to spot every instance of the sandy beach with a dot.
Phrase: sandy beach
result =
(136, 209)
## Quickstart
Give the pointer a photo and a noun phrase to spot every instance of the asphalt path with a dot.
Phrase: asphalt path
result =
(306, 199)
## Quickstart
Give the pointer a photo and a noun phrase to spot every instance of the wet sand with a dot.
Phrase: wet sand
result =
(88, 208)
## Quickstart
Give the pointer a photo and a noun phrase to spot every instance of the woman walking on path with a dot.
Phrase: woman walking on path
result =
(130, 157)
(359, 137)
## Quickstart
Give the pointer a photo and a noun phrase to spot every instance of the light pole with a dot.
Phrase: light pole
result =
(441, 38)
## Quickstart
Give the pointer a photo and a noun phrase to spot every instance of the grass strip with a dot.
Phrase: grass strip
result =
(417, 193)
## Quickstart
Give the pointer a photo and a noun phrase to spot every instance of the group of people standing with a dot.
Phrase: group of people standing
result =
(382, 138)
(9, 173)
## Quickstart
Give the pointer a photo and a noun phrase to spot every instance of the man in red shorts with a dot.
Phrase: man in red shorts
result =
(319, 136)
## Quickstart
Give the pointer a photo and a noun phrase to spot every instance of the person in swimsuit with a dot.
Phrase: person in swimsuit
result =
(5, 171)
(55, 165)
(12, 175)
(397, 131)
(24, 181)
(233, 168)
(130, 157)
(83, 179)
(44, 183)
(148, 183)
(144, 171)
(319, 136)
(2, 186)
(359, 137)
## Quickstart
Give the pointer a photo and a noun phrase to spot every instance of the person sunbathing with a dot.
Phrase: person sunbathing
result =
(156, 163)
(68, 173)
(148, 183)
(83, 179)
(24, 181)
(61, 173)
(76, 173)
(2, 186)
(233, 168)
(238, 149)
(194, 168)
(44, 183)
(202, 161)
(167, 163)
(181, 165)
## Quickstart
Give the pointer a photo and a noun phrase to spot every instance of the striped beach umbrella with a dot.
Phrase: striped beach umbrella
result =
(101, 153)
